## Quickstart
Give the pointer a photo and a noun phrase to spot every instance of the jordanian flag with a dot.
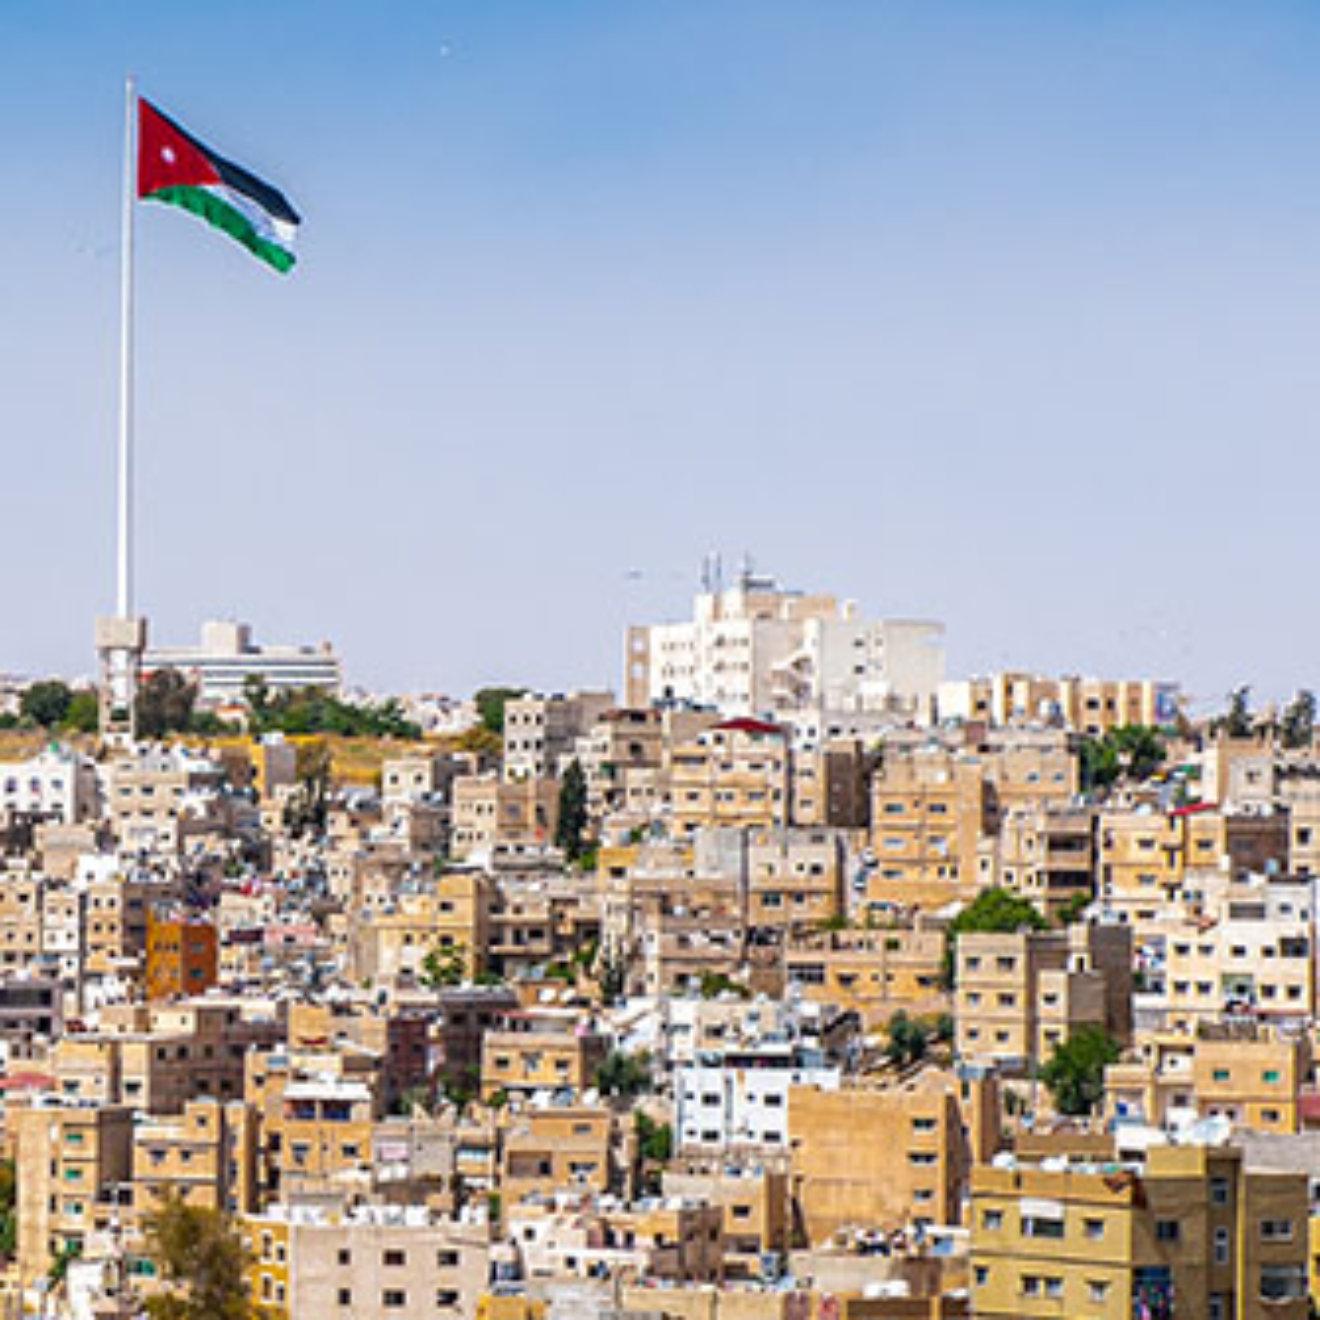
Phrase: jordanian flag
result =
(174, 167)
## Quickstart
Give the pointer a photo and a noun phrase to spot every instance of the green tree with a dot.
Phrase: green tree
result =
(1098, 767)
(1132, 750)
(1141, 750)
(203, 1263)
(625, 1075)
(46, 703)
(257, 695)
(165, 704)
(490, 703)
(444, 967)
(909, 1039)
(84, 713)
(309, 805)
(1075, 1073)
(993, 911)
(8, 1209)
(714, 984)
(1077, 904)
(570, 829)
(1298, 726)
(1238, 721)
(655, 1141)
(313, 710)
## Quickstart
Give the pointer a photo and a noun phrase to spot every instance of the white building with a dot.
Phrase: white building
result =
(738, 1099)
(228, 657)
(57, 784)
(757, 650)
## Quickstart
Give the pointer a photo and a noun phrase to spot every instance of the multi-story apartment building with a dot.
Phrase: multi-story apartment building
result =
(1020, 994)
(873, 973)
(1048, 855)
(541, 733)
(830, 785)
(448, 917)
(371, 1262)
(1245, 956)
(183, 957)
(876, 1158)
(1250, 1075)
(665, 1241)
(929, 811)
(1145, 855)
(1192, 1233)
(203, 1157)
(227, 658)
(737, 773)
(160, 798)
(56, 784)
(755, 649)
(737, 1099)
(795, 878)
(493, 816)
(565, 1148)
(72, 1160)
(548, 1049)
(757, 1218)
(1089, 705)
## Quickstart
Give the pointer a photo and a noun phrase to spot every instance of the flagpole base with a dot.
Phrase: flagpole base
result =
(120, 645)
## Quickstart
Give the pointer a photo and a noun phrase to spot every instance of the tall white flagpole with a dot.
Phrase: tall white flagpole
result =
(124, 595)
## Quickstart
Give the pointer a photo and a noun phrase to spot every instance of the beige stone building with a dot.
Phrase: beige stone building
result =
(492, 815)
(541, 1049)
(1048, 855)
(374, 1262)
(737, 773)
(72, 1160)
(1192, 1233)
(1020, 994)
(873, 973)
(541, 732)
(866, 1158)
(1252, 1076)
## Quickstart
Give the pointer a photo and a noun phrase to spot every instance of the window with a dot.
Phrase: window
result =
(1270, 1075)
(1031, 1285)
(394, 1298)
(345, 1297)
(982, 1276)
(1042, 1228)
(1282, 1283)
(1220, 1074)
(1219, 1191)
(1096, 1290)
(1276, 1230)
(1221, 1246)
(1054, 1287)
(1094, 1229)
(1167, 1230)
(395, 1258)
(992, 1219)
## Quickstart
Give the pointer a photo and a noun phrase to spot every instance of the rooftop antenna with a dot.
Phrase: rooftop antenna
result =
(748, 570)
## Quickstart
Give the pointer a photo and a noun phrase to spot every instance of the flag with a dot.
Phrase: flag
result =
(173, 167)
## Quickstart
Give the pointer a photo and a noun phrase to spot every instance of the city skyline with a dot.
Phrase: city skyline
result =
(1016, 306)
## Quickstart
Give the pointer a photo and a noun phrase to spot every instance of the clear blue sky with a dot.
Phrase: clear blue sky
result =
(1003, 313)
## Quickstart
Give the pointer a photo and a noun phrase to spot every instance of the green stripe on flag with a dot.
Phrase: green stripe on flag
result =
(217, 212)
